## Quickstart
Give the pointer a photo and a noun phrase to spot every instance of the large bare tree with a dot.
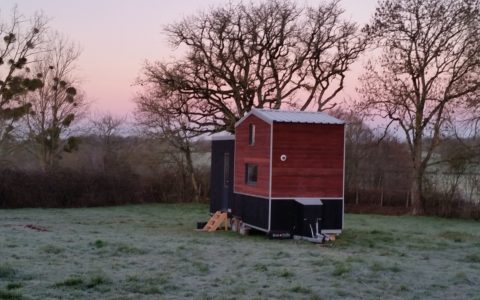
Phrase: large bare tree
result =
(430, 64)
(57, 105)
(264, 55)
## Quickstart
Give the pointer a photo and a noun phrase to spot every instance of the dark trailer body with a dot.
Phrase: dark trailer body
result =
(282, 172)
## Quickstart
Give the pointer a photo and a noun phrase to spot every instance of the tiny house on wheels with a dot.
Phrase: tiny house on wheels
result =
(282, 173)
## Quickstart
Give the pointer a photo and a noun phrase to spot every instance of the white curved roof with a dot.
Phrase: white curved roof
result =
(272, 115)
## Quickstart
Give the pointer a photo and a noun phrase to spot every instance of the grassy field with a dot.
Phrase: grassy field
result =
(152, 252)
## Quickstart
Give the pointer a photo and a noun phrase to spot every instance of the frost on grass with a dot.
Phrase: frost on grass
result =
(152, 252)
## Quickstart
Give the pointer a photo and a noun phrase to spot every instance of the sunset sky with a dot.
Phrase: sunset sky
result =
(118, 36)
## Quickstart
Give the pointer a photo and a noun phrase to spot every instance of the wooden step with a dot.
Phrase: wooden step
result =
(216, 221)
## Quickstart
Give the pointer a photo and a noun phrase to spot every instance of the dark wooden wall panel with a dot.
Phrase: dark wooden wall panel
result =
(314, 165)
(259, 154)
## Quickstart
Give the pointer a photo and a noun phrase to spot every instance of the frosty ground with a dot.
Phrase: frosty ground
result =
(152, 252)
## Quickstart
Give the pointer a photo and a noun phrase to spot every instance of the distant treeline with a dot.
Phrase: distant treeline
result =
(378, 177)
(135, 170)
(143, 170)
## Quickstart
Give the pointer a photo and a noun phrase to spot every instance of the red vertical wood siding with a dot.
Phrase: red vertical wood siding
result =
(258, 154)
(314, 164)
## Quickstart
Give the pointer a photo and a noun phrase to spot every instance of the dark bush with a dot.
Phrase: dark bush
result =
(394, 198)
(71, 188)
(395, 202)
(438, 204)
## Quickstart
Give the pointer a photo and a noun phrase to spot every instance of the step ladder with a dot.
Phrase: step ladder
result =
(216, 221)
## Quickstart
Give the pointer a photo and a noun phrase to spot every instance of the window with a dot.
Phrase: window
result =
(251, 174)
(251, 134)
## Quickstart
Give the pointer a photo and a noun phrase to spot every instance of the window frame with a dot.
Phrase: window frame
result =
(251, 172)
(251, 134)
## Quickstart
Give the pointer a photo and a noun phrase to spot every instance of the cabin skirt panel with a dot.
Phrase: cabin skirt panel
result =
(252, 210)
(291, 216)
(288, 216)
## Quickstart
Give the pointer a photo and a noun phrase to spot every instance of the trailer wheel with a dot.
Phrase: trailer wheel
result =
(243, 230)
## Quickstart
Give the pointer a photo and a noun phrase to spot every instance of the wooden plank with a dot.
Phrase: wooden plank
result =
(314, 164)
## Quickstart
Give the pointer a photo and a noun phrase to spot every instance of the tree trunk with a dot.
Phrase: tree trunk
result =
(196, 189)
(191, 173)
(416, 192)
(381, 198)
(44, 158)
(380, 186)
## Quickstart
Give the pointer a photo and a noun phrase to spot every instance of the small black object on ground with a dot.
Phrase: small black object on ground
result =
(200, 225)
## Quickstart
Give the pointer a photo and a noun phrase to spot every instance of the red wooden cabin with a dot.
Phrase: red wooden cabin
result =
(287, 175)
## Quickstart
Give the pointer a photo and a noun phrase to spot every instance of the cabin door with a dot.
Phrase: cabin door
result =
(221, 178)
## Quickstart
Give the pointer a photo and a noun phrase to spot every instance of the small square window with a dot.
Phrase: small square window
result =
(251, 174)
(251, 134)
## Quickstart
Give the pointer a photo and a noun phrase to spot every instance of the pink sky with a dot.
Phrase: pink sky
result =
(118, 36)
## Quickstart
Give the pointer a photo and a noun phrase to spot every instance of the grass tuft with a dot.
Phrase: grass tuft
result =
(131, 250)
(281, 254)
(301, 290)
(474, 258)
(377, 267)
(99, 244)
(395, 268)
(146, 286)
(284, 273)
(341, 269)
(202, 267)
(96, 281)
(14, 286)
(403, 288)
(456, 236)
(10, 295)
(355, 259)
(70, 282)
(460, 278)
(51, 249)
(79, 282)
(7, 271)
(260, 267)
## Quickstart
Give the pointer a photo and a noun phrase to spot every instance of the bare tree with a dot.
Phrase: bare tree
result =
(57, 105)
(430, 64)
(155, 113)
(22, 39)
(265, 54)
(108, 128)
(359, 139)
